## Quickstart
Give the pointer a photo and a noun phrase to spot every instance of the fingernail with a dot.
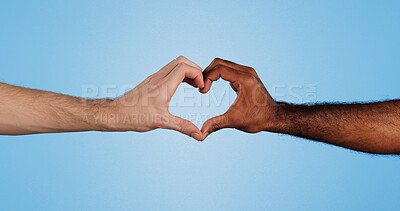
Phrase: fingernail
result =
(206, 134)
(195, 136)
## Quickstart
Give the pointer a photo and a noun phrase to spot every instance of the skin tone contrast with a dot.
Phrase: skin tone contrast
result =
(370, 127)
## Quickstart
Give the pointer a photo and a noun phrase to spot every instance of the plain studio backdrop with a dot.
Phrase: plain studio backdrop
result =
(303, 51)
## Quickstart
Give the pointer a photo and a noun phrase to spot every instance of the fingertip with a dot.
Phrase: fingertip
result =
(196, 132)
(204, 136)
(205, 128)
(206, 87)
(196, 135)
(199, 82)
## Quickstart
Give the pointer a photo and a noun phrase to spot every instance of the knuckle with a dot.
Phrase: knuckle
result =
(250, 69)
(253, 71)
(217, 61)
(150, 78)
(180, 67)
(180, 59)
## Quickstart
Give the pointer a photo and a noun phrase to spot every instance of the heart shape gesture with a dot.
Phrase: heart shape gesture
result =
(368, 127)
(253, 110)
(146, 107)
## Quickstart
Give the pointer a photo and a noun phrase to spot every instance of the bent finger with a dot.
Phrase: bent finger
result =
(220, 71)
(183, 72)
(233, 65)
(163, 72)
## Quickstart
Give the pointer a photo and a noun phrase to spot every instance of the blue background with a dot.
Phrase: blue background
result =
(347, 50)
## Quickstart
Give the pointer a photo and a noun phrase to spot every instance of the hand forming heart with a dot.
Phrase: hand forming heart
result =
(146, 107)
(254, 110)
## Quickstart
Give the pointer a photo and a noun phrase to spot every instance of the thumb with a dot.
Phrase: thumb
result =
(184, 126)
(214, 124)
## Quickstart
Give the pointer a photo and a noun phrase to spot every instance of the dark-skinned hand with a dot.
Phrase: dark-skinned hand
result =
(252, 111)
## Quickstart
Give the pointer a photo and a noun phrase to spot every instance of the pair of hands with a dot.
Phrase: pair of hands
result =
(146, 107)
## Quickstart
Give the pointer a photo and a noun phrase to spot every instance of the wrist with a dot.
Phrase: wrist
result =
(275, 118)
(102, 114)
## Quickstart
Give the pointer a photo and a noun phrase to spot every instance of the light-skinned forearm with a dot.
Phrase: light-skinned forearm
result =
(144, 108)
(30, 111)
(372, 128)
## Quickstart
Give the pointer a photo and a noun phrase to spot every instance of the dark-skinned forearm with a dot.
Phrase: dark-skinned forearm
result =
(372, 128)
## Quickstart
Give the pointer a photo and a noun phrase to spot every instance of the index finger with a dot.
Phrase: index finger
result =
(163, 72)
(220, 71)
(233, 65)
(180, 73)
